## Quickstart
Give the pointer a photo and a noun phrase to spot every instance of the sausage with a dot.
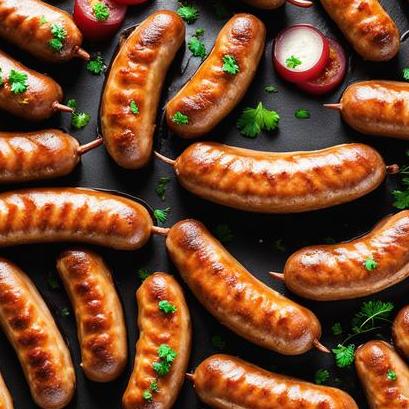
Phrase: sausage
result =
(367, 26)
(274, 4)
(136, 77)
(157, 328)
(30, 328)
(375, 361)
(27, 156)
(376, 108)
(28, 24)
(98, 312)
(41, 99)
(269, 182)
(400, 331)
(211, 94)
(235, 297)
(42, 215)
(338, 271)
(226, 382)
(5, 399)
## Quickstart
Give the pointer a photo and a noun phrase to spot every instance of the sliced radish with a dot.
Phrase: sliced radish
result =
(301, 3)
(301, 53)
(333, 74)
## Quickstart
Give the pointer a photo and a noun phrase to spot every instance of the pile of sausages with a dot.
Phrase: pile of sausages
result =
(263, 182)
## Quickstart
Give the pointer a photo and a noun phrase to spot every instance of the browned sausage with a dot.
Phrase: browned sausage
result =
(211, 94)
(159, 327)
(98, 311)
(341, 271)
(268, 182)
(29, 25)
(226, 382)
(26, 156)
(30, 328)
(384, 376)
(5, 399)
(376, 108)
(235, 297)
(400, 331)
(367, 26)
(132, 92)
(274, 4)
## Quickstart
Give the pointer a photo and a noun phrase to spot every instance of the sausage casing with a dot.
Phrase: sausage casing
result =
(5, 399)
(211, 94)
(377, 108)
(157, 328)
(137, 76)
(375, 361)
(30, 328)
(400, 331)
(290, 182)
(28, 24)
(338, 271)
(72, 214)
(37, 102)
(367, 26)
(226, 382)
(235, 297)
(98, 311)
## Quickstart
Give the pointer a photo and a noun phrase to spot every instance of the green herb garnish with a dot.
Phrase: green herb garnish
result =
(270, 89)
(80, 120)
(197, 47)
(391, 375)
(321, 376)
(199, 32)
(101, 11)
(96, 65)
(43, 20)
(59, 35)
(166, 357)
(370, 264)
(154, 386)
(72, 103)
(1, 78)
(405, 74)
(65, 312)
(161, 187)
(292, 62)
(143, 274)
(189, 13)
(167, 307)
(180, 119)
(133, 107)
(147, 395)
(161, 215)
(302, 114)
(230, 65)
(336, 329)
(344, 355)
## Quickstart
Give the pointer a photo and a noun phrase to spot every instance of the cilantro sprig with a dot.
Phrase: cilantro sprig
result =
(293, 62)
(96, 65)
(230, 65)
(18, 81)
(180, 119)
(189, 13)
(59, 35)
(197, 47)
(79, 120)
(321, 376)
(302, 114)
(405, 74)
(401, 196)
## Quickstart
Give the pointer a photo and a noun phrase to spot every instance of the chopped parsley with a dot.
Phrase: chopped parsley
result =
(218, 342)
(370, 264)
(344, 355)
(321, 376)
(230, 65)
(133, 107)
(96, 65)
(18, 81)
(271, 89)
(302, 114)
(336, 329)
(199, 32)
(147, 395)
(391, 375)
(180, 119)
(80, 120)
(43, 20)
(1, 78)
(402, 196)
(59, 35)
(161, 215)
(189, 13)
(223, 233)
(72, 103)
(166, 307)
(143, 274)
(154, 386)
(197, 47)
(101, 11)
(292, 62)
(405, 74)
(166, 357)
(161, 187)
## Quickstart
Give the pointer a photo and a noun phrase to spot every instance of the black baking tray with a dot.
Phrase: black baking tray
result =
(255, 236)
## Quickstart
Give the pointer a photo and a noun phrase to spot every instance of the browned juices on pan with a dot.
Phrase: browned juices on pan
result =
(98, 311)
(30, 328)
(134, 84)
(377, 108)
(367, 26)
(38, 101)
(338, 271)
(400, 331)
(235, 297)
(211, 94)
(376, 363)
(156, 328)
(226, 382)
(42, 215)
(5, 398)
(269, 182)
(28, 25)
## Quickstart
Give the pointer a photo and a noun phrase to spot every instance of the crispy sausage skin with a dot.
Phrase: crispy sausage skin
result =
(211, 94)
(226, 382)
(30, 328)
(5, 399)
(72, 214)
(377, 108)
(235, 297)
(367, 26)
(338, 272)
(374, 361)
(137, 76)
(28, 24)
(98, 311)
(155, 329)
(40, 99)
(267, 182)
(400, 331)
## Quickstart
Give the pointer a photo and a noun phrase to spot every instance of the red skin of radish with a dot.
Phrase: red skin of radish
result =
(131, 2)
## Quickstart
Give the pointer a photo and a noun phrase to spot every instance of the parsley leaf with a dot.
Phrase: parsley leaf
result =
(143, 274)
(197, 47)
(302, 114)
(218, 342)
(230, 65)
(292, 62)
(59, 35)
(96, 65)
(344, 355)
(223, 233)
(254, 120)
(161, 215)
(167, 307)
(369, 314)
(270, 89)
(43, 20)
(161, 368)
(336, 329)
(402, 196)
(370, 264)
(18, 81)
(189, 13)
(154, 386)
(405, 74)
(180, 118)
(80, 120)
(321, 376)
(72, 103)
(133, 107)
(1, 78)
(161, 187)
(147, 395)
(101, 11)
(199, 32)
(166, 353)
(391, 375)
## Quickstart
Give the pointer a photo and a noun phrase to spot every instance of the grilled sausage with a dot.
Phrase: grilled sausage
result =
(27, 156)
(5, 399)
(235, 297)
(159, 327)
(383, 374)
(400, 331)
(132, 92)
(73, 214)
(29, 24)
(30, 328)
(341, 271)
(226, 382)
(41, 99)
(269, 182)
(376, 108)
(98, 311)
(367, 26)
(211, 94)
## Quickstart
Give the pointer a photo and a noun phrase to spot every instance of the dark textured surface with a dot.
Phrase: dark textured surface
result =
(254, 235)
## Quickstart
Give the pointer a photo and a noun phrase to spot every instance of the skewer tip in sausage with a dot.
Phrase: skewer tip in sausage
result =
(6, 401)
(164, 323)
(98, 312)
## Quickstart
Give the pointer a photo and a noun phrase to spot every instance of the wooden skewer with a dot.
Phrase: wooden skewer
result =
(277, 276)
(165, 159)
(301, 3)
(60, 107)
(337, 107)
(89, 146)
(321, 347)
(162, 231)
(81, 53)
